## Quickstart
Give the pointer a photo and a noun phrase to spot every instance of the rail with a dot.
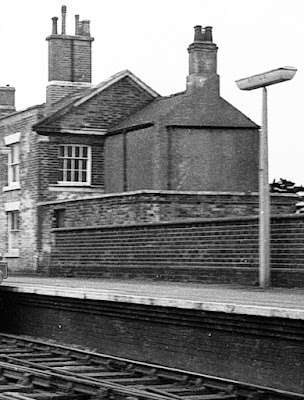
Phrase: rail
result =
(34, 369)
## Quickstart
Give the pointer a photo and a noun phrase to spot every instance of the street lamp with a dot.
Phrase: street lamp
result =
(255, 82)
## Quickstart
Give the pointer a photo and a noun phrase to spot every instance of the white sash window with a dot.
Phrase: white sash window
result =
(74, 165)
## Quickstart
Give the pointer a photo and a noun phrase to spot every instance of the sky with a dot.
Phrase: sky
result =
(150, 38)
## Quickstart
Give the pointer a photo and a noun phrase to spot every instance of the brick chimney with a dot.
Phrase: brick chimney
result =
(7, 100)
(70, 59)
(203, 63)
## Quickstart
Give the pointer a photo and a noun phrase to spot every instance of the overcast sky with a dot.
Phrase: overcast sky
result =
(150, 38)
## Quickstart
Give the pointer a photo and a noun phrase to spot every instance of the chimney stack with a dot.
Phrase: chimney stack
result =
(70, 58)
(203, 63)
(7, 100)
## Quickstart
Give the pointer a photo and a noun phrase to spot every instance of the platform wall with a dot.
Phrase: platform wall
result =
(211, 251)
(139, 208)
(257, 350)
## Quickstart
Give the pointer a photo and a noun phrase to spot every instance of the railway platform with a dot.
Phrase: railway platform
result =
(232, 332)
(272, 302)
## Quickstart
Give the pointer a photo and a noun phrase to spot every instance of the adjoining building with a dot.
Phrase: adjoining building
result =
(116, 152)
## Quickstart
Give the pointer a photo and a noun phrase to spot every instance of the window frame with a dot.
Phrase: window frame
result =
(66, 158)
(13, 233)
(13, 166)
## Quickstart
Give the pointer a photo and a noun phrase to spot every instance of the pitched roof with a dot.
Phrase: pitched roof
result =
(184, 109)
(36, 107)
(71, 102)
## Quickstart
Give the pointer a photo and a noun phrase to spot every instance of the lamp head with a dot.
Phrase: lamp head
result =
(267, 78)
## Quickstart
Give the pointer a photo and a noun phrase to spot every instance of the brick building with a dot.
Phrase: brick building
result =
(118, 144)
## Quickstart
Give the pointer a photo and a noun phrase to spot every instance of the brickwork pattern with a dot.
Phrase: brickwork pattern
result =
(49, 171)
(28, 193)
(148, 207)
(69, 59)
(144, 207)
(82, 54)
(106, 108)
(57, 92)
(257, 350)
(213, 251)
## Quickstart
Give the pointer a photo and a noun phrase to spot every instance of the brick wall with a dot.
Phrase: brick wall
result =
(222, 250)
(82, 60)
(155, 206)
(58, 90)
(49, 171)
(70, 58)
(257, 350)
(27, 195)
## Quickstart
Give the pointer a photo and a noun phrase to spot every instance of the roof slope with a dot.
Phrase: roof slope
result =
(185, 109)
(86, 109)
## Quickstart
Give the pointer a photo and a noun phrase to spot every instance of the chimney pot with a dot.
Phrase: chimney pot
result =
(85, 27)
(55, 19)
(77, 25)
(198, 33)
(63, 13)
(208, 34)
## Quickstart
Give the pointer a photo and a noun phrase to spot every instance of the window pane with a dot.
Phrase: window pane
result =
(15, 153)
(14, 242)
(13, 169)
(73, 163)
(15, 224)
(13, 229)
(15, 173)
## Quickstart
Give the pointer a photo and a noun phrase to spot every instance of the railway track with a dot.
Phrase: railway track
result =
(36, 370)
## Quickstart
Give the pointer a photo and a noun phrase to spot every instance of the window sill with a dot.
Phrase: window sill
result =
(12, 254)
(80, 184)
(76, 188)
(13, 186)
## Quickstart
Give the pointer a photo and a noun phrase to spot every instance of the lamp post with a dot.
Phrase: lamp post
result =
(255, 82)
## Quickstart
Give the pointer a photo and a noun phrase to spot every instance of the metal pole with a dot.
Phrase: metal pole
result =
(264, 226)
